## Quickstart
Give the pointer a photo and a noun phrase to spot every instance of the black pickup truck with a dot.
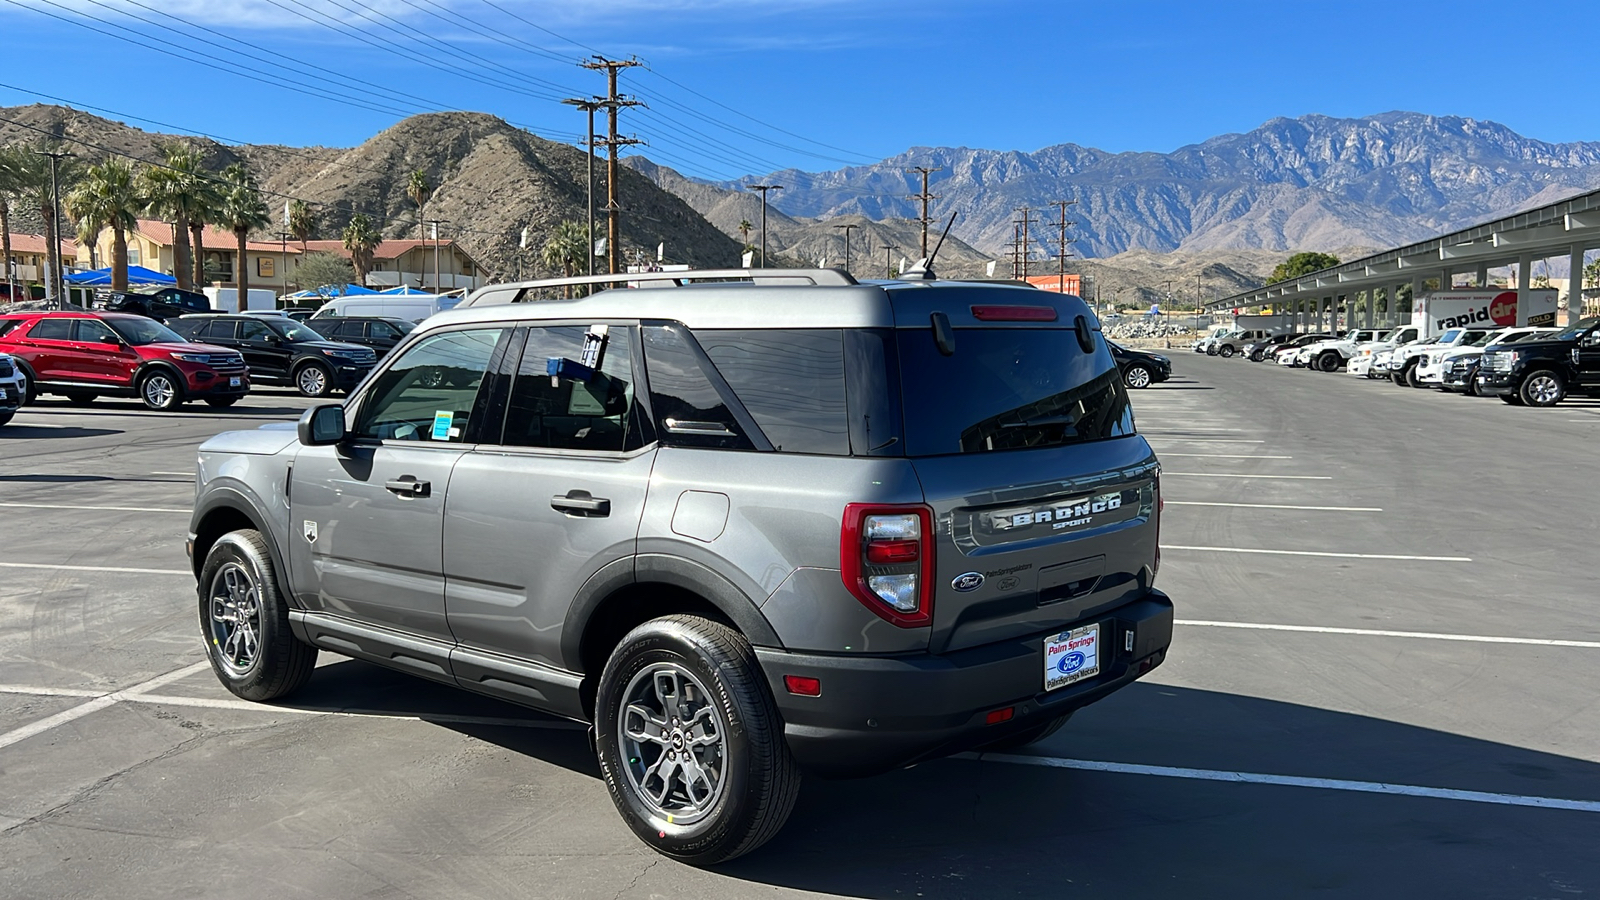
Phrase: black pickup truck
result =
(1543, 372)
(166, 303)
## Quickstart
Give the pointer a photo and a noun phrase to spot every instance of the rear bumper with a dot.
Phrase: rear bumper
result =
(881, 713)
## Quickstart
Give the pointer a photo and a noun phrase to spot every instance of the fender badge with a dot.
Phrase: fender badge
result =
(310, 531)
(967, 581)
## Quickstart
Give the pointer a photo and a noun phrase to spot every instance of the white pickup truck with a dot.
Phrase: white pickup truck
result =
(1403, 364)
(1329, 356)
(1363, 363)
(1435, 362)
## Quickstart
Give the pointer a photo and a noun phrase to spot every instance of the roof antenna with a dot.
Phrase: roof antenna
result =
(922, 269)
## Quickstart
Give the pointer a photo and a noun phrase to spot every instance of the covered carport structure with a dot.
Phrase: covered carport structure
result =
(1462, 259)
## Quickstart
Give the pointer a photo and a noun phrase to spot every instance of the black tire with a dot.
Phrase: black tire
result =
(81, 398)
(1542, 388)
(1398, 376)
(159, 389)
(1512, 399)
(5, 417)
(1138, 376)
(1030, 735)
(307, 384)
(1225, 351)
(759, 780)
(281, 663)
(1412, 378)
(1472, 387)
(1329, 362)
(221, 402)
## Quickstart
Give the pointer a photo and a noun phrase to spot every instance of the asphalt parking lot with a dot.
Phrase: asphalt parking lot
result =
(1383, 684)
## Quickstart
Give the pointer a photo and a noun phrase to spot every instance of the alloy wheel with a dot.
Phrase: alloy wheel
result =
(673, 742)
(312, 381)
(1138, 377)
(1543, 390)
(235, 618)
(159, 391)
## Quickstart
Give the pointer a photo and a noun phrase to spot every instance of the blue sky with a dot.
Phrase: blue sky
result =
(750, 86)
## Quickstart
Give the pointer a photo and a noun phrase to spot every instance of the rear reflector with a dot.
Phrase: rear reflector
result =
(890, 552)
(1014, 313)
(999, 715)
(805, 687)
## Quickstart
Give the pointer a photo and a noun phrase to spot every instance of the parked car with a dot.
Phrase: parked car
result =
(379, 333)
(1333, 354)
(1231, 343)
(1461, 375)
(280, 350)
(1269, 352)
(1542, 370)
(412, 308)
(1430, 371)
(1255, 351)
(1371, 359)
(1140, 369)
(1403, 362)
(971, 559)
(85, 355)
(13, 388)
(166, 303)
(300, 315)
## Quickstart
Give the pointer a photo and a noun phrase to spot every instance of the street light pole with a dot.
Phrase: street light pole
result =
(847, 229)
(56, 286)
(763, 188)
(888, 265)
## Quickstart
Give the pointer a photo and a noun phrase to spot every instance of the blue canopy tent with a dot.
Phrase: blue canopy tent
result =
(327, 292)
(406, 290)
(102, 277)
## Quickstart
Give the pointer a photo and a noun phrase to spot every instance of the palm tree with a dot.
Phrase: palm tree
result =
(361, 239)
(302, 222)
(419, 190)
(242, 212)
(182, 193)
(10, 185)
(566, 248)
(109, 196)
(89, 236)
(744, 232)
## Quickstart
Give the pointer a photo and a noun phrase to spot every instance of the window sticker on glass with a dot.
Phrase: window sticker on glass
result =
(441, 425)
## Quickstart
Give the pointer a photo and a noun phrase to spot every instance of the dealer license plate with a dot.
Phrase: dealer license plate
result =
(233, 381)
(1071, 656)
(2, 393)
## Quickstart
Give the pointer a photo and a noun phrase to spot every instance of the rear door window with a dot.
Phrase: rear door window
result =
(689, 408)
(1007, 389)
(51, 330)
(565, 413)
(792, 383)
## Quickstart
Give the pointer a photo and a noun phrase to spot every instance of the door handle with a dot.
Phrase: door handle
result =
(407, 487)
(582, 503)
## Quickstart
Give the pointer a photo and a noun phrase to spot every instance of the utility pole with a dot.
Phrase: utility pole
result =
(54, 285)
(434, 229)
(888, 264)
(1061, 256)
(763, 188)
(1025, 243)
(925, 197)
(283, 259)
(589, 106)
(613, 102)
(1016, 251)
(847, 229)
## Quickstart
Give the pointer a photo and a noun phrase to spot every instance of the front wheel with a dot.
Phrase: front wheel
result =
(245, 621)
(1542, 388)
(313, 380)
(1328, 362)
(5, 417)
(160, 390)
(690, 742)
(1225, 352)
(1136, 377)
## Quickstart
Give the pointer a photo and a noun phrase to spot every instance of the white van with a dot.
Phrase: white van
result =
(398, 306)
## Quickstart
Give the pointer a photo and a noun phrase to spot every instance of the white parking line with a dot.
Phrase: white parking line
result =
(1319, 553)
(153, 509)
(1226, 455)
(1234, 475)
(94, 705)
(1211, 440)
(122, 569)
(1329, 784)
(1277, 506)
(189, 474)
(1374, 632)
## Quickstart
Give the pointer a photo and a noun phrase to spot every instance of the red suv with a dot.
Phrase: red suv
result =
(84, 355)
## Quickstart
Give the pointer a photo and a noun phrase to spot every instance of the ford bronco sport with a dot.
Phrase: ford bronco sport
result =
(746, 530)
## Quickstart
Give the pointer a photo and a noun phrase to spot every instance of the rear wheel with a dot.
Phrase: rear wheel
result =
(1542, 388)
(81, 398)
(690, 742)
(245, 621)
(1030, 735)
(160, 390)
(1136, 377)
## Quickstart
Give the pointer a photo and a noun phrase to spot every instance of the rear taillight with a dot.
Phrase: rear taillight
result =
(886, 560)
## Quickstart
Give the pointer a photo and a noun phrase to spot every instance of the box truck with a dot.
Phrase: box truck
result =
(1439, 311)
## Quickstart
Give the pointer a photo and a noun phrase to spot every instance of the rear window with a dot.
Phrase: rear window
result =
(1007, 389)
(790, 381)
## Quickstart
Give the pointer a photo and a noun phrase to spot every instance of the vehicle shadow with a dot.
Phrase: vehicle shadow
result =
(996, 827)
(119, 407)
(34, 432)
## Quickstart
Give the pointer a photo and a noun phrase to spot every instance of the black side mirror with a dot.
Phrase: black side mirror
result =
(322, 425)
(111, 339)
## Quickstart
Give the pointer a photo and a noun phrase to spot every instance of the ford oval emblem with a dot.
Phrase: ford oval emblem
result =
(1070, 662)
(967, 581)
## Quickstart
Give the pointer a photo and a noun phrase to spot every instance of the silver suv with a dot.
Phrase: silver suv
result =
(746, 530)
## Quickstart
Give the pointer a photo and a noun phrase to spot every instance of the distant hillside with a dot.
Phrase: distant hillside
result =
(492, 180)
(1312, 183)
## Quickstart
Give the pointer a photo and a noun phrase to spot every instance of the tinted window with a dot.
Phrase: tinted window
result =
(293, 331)
(791, 383)
(92, 331)
(571, 414)
(1007, 389)
(139, 332)
(689, 410)
(429, 393)
(254, 330)
(8, 324)
(51, 330)
(223, 329)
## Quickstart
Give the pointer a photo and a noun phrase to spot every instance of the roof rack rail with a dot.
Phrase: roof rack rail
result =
(518, 289)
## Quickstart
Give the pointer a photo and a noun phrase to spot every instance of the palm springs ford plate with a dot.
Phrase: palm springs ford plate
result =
(1071, 656)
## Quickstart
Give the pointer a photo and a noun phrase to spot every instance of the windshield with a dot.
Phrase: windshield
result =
(1480, 340)
(139, 332)
(1450, 336)
(1007, 389)
(402, 325)
(1576, 329)
(293, 331)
